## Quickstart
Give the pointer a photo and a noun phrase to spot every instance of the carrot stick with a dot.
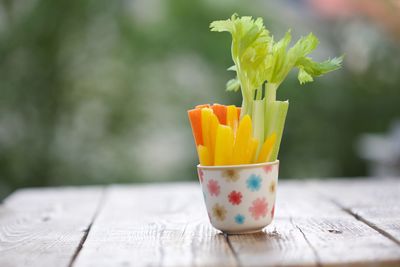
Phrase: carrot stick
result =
(220, 112)
(239, 109)
(195, 122)
(202, 106)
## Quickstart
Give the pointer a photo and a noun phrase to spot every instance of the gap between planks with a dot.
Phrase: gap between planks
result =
(86, 233)
(235, 255)
(366, 222)
(310, 245)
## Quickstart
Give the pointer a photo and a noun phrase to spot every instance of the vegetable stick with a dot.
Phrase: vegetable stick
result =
(220, 112)
(206, 128)
(224, 145)
(213, 134)
(275, 122)
(242, 140)
(266, 149)
(209, 127)
(232, 118)
(251, 151)
(202, 106)
(264, 69)
(258, 122)
(204, 156)
(195, 122)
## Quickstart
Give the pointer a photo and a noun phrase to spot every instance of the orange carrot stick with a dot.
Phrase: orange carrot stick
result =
(220, 112)
(203, 106)
(239, 109)
(195, 122)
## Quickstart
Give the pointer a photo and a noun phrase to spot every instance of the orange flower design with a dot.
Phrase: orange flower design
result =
(230, 175)
(219, 212)
(272, 187)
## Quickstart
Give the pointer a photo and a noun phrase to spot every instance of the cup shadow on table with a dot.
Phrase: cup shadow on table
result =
(262, 236)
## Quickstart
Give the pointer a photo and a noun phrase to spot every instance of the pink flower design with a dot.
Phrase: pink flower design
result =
(235, 197)
(273, 211)
(259, 208)
(201, 175)
(213, 188)
(268, 168)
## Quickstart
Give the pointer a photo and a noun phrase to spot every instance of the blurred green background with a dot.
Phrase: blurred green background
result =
(95, 92)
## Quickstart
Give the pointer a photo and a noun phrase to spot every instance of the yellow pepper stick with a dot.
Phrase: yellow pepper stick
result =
(266, 149)
(223, 145)
(232, 118)
(206, 127)
(204, 156)
(213, 135)
(251, 151)
(243, 136)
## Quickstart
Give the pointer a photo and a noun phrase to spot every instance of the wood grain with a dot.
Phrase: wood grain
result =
(311, 230)
(376, 202)
(44, 227)
(318, 223)
(159, 225)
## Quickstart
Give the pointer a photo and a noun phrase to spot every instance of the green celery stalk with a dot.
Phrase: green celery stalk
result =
(258, 122)
(275, 118)
(258, 58)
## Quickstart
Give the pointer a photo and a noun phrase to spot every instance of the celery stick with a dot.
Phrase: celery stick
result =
(258, 123)
(274, 123)
(260, 60)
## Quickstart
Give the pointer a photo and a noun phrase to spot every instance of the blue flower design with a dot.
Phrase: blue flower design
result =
(254, 182)
(239, 219)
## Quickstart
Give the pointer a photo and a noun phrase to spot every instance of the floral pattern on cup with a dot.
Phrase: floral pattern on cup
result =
(213, 187)
(259, 208)
(201, 175)
(219, 212)
(239, 219)
(254, 182)
(240, 198)
(272, 187)
(273, 211)
(230, 175)
(268, 168)
(235, 198)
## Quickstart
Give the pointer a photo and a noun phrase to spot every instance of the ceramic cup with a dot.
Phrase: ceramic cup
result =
(240, 198)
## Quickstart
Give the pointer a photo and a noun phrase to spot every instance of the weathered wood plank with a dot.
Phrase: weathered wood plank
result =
(375, 202)
(333, 236)
(43, 227)
(154, 225)
(167, 225)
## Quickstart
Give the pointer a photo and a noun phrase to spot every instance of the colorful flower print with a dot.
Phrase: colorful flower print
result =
(268, 168)
(219, 212)
(254, 182)
(213, 188)
(272, 187)
(273, 211)
(201, 175)
(239, 219)
(230, 175)
(259, 208)
(235, 198)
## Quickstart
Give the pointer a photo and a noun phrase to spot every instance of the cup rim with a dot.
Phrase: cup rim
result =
(238, 166)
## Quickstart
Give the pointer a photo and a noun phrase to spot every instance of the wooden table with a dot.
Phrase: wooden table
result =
(317, 223)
